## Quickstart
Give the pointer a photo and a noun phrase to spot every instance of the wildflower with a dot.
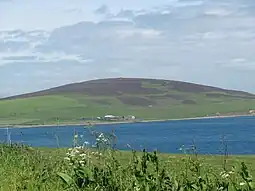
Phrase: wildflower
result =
(242, 183)
(86, 143)
(181, 148)
(67, 158)
(105, 140)
(76, 151)
(224, 174)
(83, 155)
(70, 154)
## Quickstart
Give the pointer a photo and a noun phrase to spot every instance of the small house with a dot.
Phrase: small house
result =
(111, 117)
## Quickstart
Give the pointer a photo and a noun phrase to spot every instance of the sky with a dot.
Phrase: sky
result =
(49, 43)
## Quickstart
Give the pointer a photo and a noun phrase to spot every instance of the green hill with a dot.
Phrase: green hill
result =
(145, 98)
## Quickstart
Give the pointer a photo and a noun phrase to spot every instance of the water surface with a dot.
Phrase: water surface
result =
(207, 134)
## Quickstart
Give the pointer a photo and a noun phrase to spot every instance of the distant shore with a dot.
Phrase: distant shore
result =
(92, 123)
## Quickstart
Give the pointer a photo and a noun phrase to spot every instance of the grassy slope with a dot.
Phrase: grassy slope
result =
(70, 107)
(44, 110)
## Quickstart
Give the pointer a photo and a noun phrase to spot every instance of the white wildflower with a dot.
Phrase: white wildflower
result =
(67, 158)
(76, 151)
(104, 140)
(224, 174)
(70, 154)
(83, 155)
(242, 183)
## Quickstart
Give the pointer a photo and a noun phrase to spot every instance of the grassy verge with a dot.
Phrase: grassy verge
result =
(24, 168)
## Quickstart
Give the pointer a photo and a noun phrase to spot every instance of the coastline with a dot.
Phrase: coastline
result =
(93, 123)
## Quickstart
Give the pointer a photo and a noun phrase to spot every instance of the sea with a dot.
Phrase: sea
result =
(232, 135)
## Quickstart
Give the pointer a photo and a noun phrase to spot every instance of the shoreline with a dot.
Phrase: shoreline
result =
(123, 122)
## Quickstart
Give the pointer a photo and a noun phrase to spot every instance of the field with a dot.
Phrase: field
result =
(32, 169)
(146, 99)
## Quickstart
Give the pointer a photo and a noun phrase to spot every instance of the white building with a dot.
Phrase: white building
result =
(252, 111)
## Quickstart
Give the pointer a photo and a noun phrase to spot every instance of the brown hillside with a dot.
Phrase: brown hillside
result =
(135, 86)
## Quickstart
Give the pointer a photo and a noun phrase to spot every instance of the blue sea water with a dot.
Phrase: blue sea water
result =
(206, 134)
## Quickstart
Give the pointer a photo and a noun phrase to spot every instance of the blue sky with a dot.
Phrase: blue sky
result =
(50, 43)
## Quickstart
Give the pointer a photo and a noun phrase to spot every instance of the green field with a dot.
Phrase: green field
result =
(32, 169)
(147, 100)
(71, 109)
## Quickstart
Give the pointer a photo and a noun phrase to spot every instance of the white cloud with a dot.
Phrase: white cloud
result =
(31, 14)
(42, 58)
(190, 40)
(221, 12)
(240, 64)
(142, 33)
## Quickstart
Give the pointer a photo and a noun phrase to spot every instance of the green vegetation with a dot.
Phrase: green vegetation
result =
(46, 109)
(104, 168)
(31, 169)
(146, 99)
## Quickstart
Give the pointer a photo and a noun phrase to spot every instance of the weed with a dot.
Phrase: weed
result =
(104, 168)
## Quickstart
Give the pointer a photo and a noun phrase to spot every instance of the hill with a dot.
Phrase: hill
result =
(144, 98)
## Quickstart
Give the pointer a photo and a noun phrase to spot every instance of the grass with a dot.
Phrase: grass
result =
(101, 167)
(32, 169)
(73, 107)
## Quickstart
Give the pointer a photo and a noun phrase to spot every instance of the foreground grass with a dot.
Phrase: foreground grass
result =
(24, 168)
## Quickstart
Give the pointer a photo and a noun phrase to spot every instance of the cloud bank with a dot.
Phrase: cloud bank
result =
(209, 42)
